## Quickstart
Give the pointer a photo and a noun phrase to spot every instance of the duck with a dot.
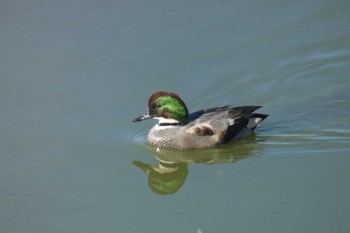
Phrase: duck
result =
(178, 129)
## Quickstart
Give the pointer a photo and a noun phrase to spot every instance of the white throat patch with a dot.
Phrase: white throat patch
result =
(162, 120)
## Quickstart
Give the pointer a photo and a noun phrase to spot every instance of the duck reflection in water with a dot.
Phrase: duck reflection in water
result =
(169, 174)
(164, 178)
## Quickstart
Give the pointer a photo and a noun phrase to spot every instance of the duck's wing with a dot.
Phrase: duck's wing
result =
(223, 122)
(224, 112)
(195, 115)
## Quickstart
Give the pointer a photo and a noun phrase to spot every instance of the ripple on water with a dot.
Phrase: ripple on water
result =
(137, 137)
(326, 140)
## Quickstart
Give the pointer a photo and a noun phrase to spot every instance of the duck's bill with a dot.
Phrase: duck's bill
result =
(143, 166)
(145, 116)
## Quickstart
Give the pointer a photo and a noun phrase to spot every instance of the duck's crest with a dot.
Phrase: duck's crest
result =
(158, 94)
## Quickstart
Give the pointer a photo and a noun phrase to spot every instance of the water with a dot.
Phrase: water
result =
(75, 74)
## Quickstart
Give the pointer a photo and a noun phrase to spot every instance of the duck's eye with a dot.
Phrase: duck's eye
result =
(155, 105)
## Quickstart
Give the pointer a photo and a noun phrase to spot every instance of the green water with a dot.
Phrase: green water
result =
(75, 74)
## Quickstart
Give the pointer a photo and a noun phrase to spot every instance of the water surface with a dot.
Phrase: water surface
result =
(75, 74)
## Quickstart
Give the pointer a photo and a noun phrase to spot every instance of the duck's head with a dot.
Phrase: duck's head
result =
(167, 107)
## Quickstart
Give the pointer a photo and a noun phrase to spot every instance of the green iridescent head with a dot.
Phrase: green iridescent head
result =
(167, 106)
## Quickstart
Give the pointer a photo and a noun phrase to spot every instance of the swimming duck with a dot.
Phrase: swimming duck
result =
(177, 129)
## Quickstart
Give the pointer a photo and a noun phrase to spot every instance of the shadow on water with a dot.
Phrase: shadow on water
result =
(170, 172)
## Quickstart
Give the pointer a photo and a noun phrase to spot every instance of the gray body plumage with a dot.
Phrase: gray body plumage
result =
(207, 128)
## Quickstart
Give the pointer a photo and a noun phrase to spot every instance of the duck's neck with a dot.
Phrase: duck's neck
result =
(167, 121)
